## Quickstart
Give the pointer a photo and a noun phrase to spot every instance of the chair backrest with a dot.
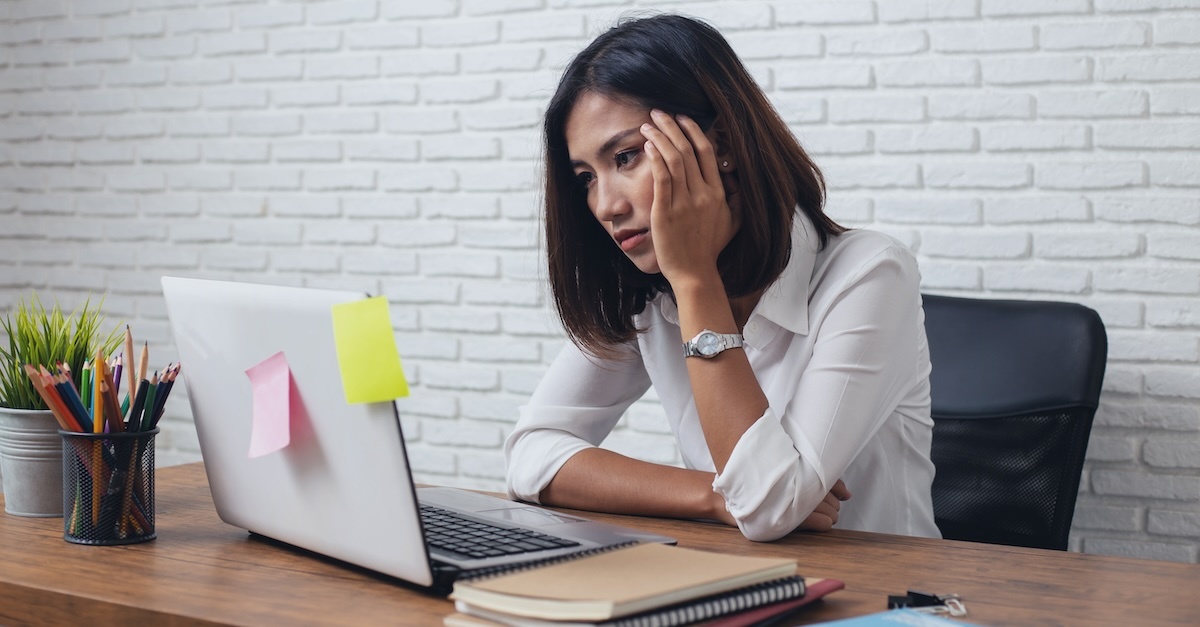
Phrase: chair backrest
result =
(1014, 386)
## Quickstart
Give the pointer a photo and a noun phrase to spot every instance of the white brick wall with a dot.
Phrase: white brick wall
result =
(1025, 149)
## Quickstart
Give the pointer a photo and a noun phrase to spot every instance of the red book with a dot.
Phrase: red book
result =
(814, 589)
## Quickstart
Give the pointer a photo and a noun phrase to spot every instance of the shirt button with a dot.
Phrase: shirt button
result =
(752, 327)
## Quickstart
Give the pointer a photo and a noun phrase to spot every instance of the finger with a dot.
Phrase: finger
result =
(818, 521)
(831, 505)
(672, 127)
(670, 156)
(841, 491)
(705, 154)
(669, 126)
(681, 149)
(662, 180)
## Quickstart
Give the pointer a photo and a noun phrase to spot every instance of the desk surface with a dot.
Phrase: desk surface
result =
(202, 571)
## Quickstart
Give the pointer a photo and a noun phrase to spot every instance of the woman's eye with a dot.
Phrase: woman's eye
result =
(624, 158)
(584, 179)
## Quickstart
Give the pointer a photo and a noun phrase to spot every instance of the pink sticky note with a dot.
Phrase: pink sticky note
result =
(270, 429)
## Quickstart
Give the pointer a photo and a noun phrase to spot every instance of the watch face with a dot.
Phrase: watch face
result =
(708, 344)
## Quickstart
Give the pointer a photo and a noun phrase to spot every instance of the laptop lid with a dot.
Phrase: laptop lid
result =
(342, 486)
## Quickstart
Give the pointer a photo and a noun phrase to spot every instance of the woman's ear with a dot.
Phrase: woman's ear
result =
(718, 134)
(727, 165)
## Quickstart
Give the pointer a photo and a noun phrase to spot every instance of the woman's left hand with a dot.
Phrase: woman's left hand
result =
(690, 218)
(825, 516)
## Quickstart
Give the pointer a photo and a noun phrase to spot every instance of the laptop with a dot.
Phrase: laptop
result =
(342, 487)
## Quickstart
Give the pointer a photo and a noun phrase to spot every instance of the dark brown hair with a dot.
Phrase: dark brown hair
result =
(681, 66)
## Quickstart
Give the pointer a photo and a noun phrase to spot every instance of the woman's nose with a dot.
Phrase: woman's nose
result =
(610, 201)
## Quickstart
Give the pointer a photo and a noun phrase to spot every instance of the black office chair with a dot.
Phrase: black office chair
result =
(1014, 386)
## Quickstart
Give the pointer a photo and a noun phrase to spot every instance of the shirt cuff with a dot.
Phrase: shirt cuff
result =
(747, 477)
(533, 463)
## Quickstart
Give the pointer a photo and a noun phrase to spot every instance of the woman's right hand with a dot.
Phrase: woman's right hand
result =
(690, 217)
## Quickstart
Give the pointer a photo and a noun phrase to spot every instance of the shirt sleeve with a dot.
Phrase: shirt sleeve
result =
(864, 355)
(575, 406)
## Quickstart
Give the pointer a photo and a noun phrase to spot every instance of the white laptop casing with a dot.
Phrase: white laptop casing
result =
(342, 486)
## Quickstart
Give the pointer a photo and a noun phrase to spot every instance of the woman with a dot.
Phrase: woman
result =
(688, 250)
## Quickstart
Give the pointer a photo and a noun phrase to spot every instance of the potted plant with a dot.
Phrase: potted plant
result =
(30, 447)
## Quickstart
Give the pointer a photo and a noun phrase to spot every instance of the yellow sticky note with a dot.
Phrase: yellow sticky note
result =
(366, 352)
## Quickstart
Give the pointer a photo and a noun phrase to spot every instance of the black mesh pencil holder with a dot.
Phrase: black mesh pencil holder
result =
(108, 487)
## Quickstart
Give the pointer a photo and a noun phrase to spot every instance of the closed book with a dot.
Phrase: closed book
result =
(617, 583)
(743, 607)
(815, 589)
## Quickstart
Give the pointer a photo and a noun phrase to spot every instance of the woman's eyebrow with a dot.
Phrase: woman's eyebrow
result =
(607, 146)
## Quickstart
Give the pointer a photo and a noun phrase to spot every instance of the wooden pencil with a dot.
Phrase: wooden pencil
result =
(97, 428)
(50, 385)
(148, 409)
(39, 386)
(112, 411)
(143, 361)
(161, 400)
(114, 370)
(70, 396)
(85, 387)
(129, 362)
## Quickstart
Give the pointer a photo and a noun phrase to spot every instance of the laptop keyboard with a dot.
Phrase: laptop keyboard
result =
(450, 532)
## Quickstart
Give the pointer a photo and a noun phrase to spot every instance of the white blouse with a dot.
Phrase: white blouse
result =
(837, 344)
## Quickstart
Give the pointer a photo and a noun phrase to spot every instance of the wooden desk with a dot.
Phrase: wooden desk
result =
(201, 571)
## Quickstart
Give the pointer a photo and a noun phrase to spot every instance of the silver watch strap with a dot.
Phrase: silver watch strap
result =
(727, 341)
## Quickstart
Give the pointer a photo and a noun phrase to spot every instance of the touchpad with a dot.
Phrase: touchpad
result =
(531, 516)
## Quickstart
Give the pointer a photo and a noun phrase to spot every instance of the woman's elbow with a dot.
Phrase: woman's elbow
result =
(764, 531)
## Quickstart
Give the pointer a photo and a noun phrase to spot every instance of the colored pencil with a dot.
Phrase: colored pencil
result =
(71, 398)
(161, 400)
(74, 405)
(50, 385)
(148, 408)
(55, 407)
(75, 508)
(135, 452)
(115, 366)
(129, 361)
(97, 427)
(65, 368)
(97, 398)
(160, 396)
(143, 361)
(112, 411)
(85, 387)
(135, 410)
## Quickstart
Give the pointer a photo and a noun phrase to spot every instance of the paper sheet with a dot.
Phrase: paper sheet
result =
(366, 351)
(271, 381)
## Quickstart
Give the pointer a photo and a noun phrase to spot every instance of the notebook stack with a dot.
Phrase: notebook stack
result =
(639, 585)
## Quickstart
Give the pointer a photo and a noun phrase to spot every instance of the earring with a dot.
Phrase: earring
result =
(724, 164)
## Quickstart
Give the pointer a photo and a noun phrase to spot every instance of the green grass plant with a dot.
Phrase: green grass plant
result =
(46, 337)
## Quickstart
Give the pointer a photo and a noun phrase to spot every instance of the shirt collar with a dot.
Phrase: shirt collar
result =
(784, 302)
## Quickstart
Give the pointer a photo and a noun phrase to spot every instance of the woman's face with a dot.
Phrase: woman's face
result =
(607, 152)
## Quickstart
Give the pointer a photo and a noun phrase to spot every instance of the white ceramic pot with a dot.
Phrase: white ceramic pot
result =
(31, 462)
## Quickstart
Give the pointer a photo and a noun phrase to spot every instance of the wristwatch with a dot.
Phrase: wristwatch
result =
(708, 344)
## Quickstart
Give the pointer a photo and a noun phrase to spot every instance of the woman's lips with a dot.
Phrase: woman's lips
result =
(630, 239)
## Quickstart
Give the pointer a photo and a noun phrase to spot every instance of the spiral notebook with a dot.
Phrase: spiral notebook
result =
(754, 606)
(643, 584)
(737, 607)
